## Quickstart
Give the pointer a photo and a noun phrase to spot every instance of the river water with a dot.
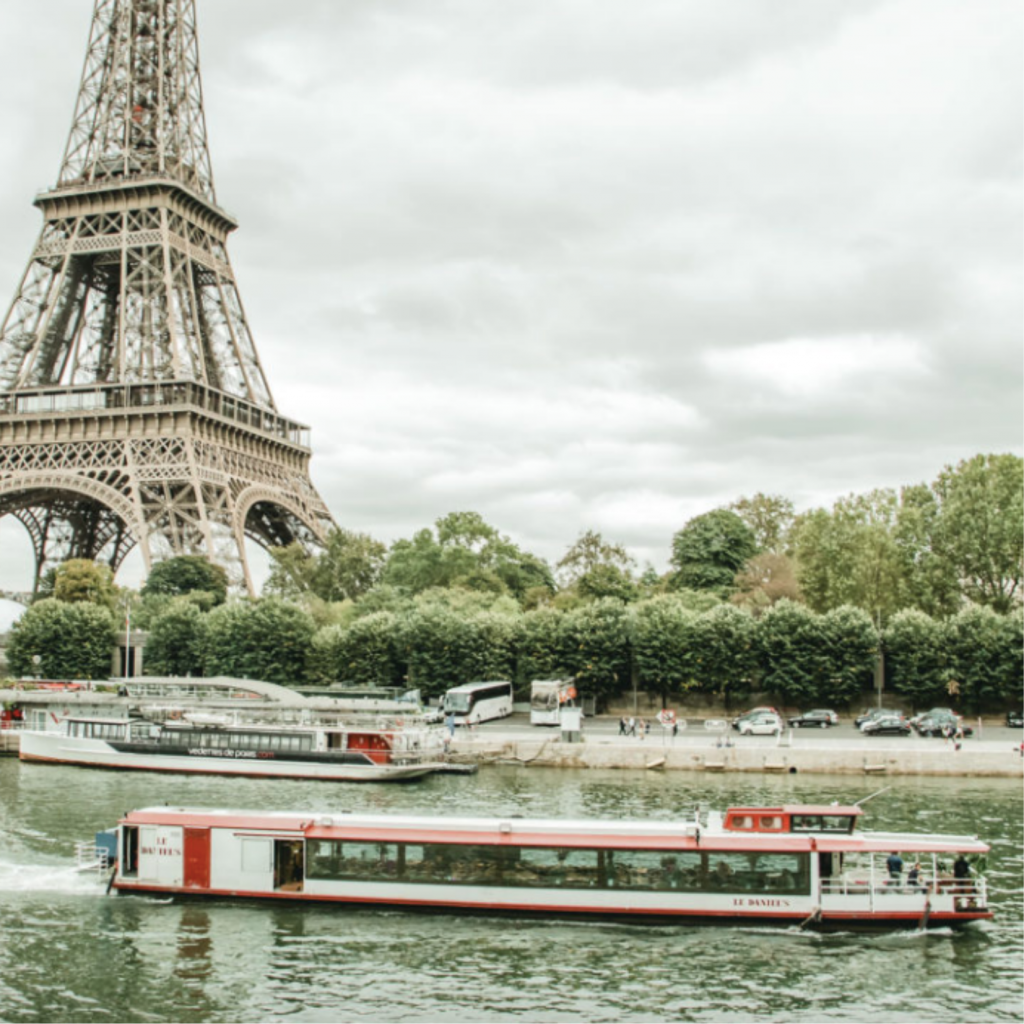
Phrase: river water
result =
(69, 953)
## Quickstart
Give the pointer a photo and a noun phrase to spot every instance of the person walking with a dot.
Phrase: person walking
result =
(632, 726)
(642, 728)
(622, 726)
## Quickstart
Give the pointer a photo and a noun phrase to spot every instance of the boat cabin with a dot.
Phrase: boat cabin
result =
(832, 819)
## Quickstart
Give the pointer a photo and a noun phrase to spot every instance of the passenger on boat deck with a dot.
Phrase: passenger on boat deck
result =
(894, 862)
(914, 877)
(961, 869)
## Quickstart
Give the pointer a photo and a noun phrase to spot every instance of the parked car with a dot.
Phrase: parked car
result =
(1015, 719)
(766, 724)
(935, 724)
(819, 719)
(752, 714)
(867, 716)
(948, 712)
(894, 725)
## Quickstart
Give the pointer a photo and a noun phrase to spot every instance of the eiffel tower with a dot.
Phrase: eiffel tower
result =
(133, 406)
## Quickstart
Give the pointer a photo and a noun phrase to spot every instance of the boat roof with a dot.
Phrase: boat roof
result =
(847, 810)
(667, 836)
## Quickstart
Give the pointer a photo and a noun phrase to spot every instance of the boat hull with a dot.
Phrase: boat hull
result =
(554, 905)
(54, 748)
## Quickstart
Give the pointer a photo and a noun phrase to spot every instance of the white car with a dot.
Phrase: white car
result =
(761, 725)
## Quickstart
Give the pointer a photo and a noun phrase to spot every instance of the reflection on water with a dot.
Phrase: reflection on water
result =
(69, 953)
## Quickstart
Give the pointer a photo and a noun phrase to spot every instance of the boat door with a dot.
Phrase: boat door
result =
(289, 864)
(197, 858)
(129, 850)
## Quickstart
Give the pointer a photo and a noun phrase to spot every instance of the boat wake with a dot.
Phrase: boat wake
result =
(52, 878)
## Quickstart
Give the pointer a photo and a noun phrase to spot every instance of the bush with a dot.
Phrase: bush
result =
(73, 641)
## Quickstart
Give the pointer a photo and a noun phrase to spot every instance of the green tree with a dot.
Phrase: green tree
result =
(349, 566)
(542, 647)
(769, 517)
(444, 648)
(917, 657)
(177, 640)
(726, 651)
(851, 555)
(72, 641)
(266, 640)
(931, 583)
(665, 645)
(597, 643)
(808, 658)
(590, 557)
(81, 579)
(980, 529)
(765, 580)
(985, 663)
(366, 651)
(186, 574)
(607, 581)
(710, 550)
(465, 552)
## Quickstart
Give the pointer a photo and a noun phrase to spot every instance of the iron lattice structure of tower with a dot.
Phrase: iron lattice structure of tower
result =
(133, 406)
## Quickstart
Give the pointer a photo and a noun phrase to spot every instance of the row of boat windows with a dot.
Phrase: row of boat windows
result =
(235, 741)
(570, 868)
(798, 822)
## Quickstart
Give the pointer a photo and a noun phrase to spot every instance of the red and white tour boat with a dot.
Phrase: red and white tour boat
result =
(372, 751)
(790, 865)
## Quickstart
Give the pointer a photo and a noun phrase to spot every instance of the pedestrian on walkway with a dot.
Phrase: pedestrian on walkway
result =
(622, 726)
(632, 726)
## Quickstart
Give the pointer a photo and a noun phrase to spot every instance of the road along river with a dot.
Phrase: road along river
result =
(69, 953)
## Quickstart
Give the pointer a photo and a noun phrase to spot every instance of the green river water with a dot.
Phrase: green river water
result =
(70, 953)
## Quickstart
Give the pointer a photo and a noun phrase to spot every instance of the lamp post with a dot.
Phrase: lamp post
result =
(127, 637)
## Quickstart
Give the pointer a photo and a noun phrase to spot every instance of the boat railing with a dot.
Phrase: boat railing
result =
(975, 888)
(90, 857)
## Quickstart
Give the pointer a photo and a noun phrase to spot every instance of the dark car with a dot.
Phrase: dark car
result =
(894, 725)
(820, 719)
(935, 724)
(871, 713)
(1015, 719)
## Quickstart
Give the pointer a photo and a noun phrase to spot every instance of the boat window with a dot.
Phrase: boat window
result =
(770, 823)
(560, 867)
(837, 822)
(806, 823)
(741, 821)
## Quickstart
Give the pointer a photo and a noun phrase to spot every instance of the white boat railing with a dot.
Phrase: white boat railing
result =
(975, 888)
(90, 857)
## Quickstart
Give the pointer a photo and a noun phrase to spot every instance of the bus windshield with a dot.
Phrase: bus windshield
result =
(457, 702)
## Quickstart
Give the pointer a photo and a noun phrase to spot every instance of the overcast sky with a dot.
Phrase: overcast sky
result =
(599, 264)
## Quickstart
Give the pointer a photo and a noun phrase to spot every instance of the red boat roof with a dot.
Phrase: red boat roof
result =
(652, 835)
(842, 810)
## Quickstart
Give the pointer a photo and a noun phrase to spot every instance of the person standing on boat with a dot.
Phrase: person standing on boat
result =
(961, 869)
(914, 877)
(894, 862)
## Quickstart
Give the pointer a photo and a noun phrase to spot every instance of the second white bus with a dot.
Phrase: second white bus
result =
(479, 702)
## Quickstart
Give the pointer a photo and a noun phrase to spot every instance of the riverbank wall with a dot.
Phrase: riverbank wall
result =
(826, 759)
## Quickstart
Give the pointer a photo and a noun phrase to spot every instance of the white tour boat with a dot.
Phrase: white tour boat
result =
(791, 865)
(383, 749)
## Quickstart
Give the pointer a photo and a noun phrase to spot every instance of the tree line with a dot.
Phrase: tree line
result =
(757, 598)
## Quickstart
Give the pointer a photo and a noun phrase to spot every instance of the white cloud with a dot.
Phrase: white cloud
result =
(819, 370)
